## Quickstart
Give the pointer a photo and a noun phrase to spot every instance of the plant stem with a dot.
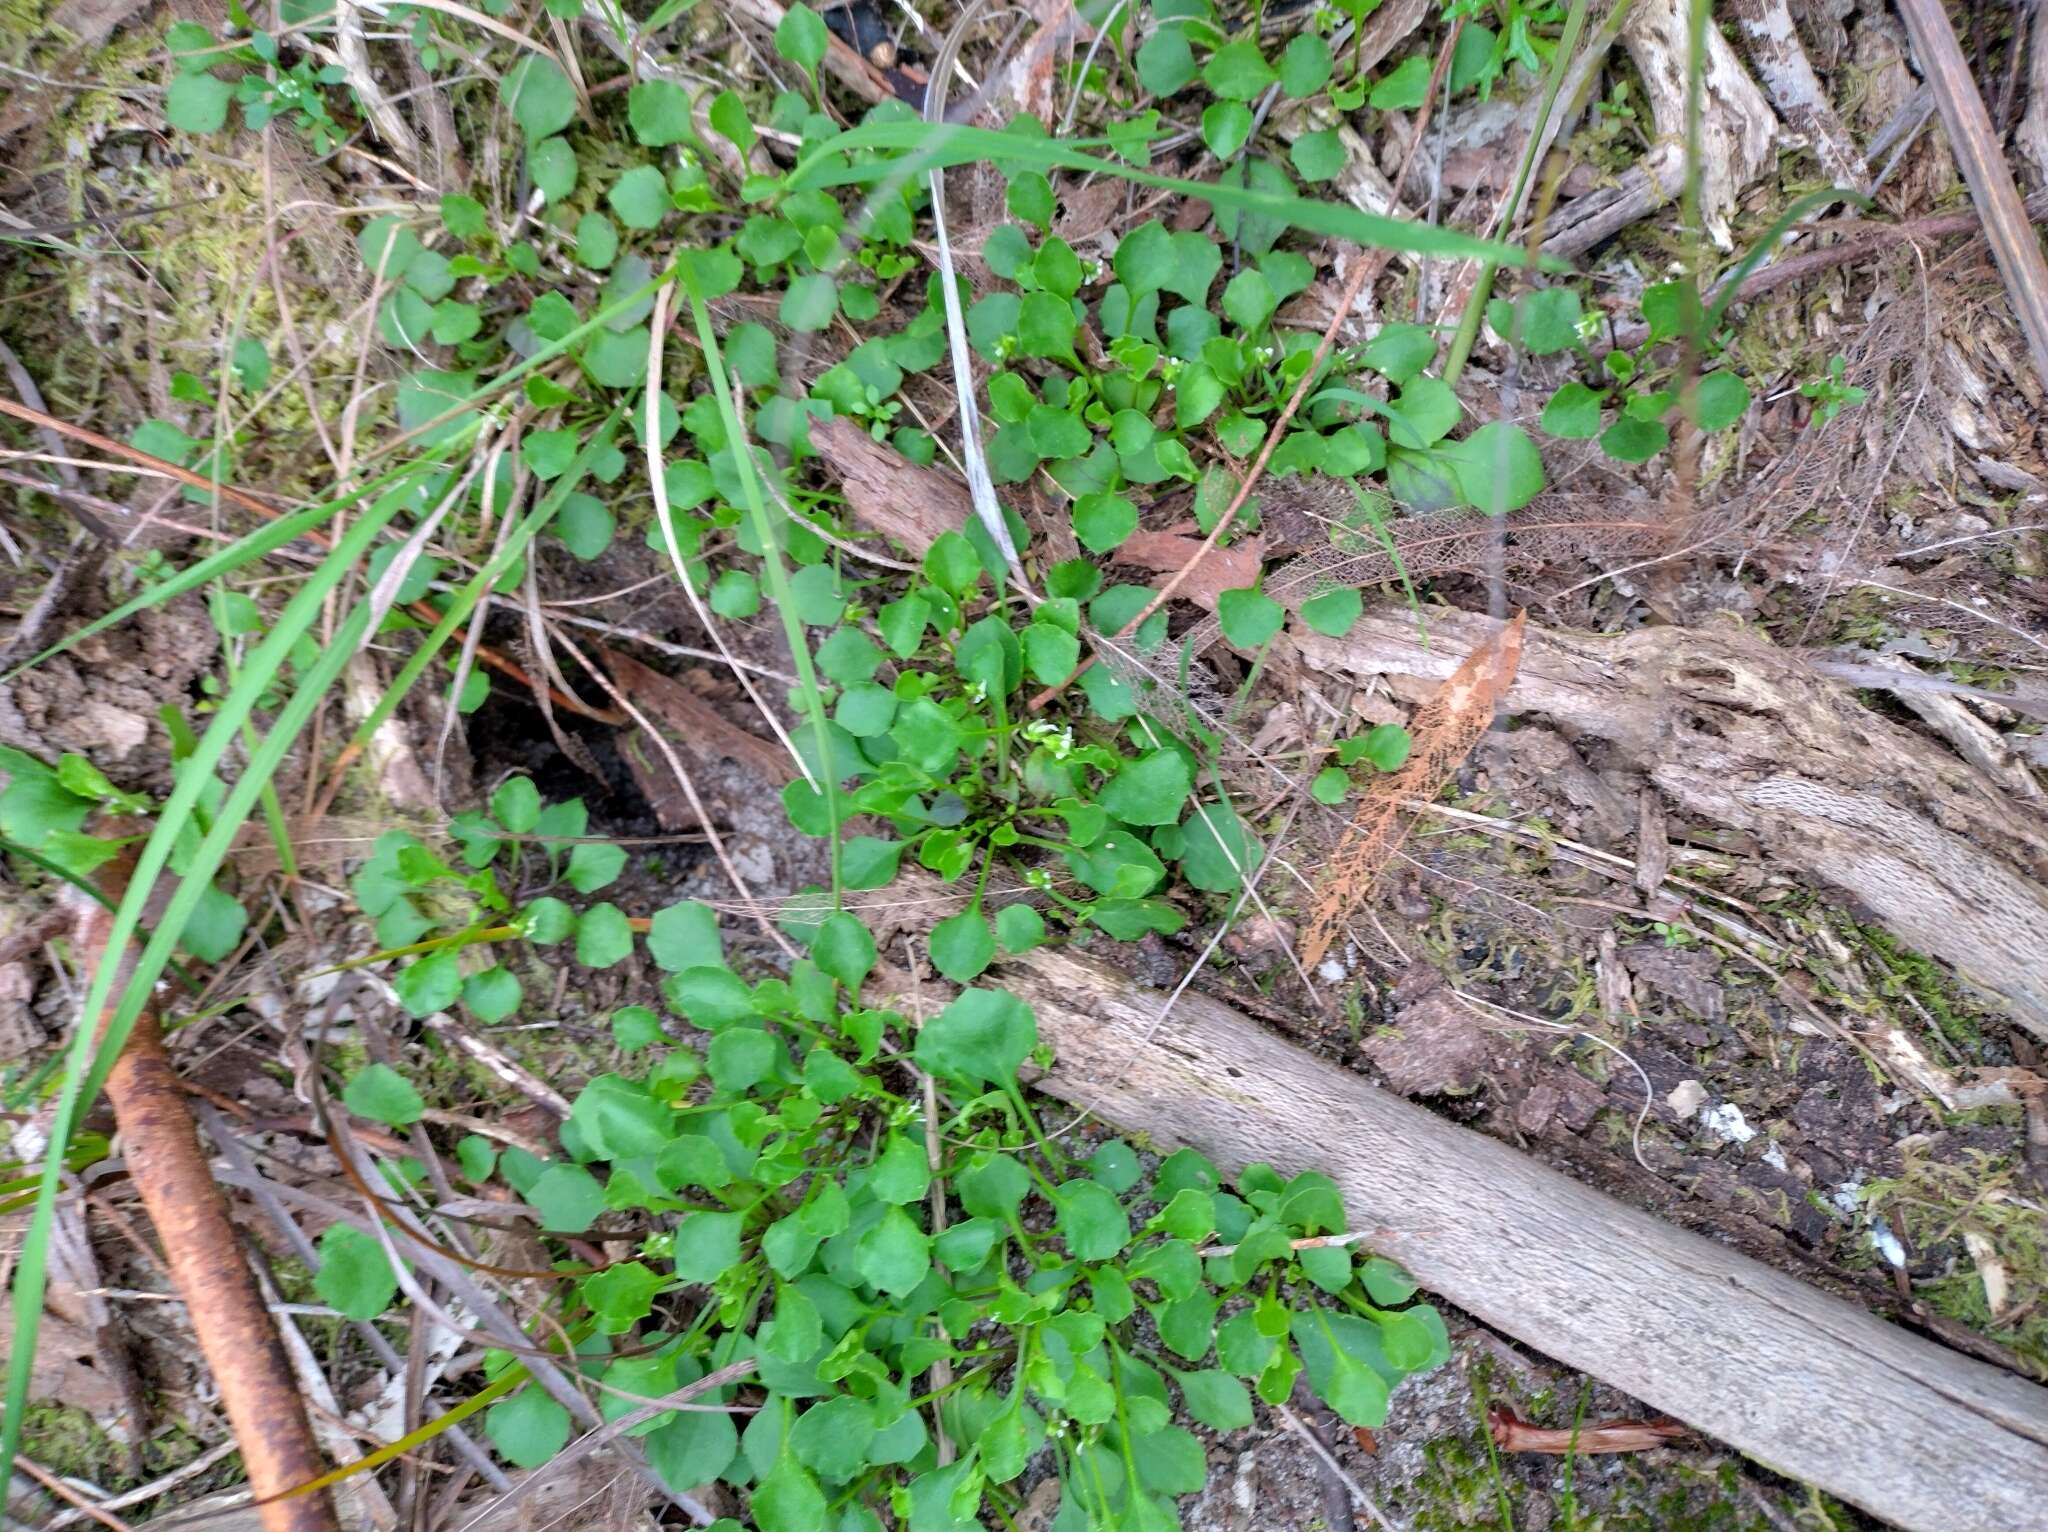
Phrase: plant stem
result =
(1475, 305)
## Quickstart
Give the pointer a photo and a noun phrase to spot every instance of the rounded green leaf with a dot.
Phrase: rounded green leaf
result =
(594, 865)
(685, 935)
(659, 113)
(1497, 468)
(355, 1273)
(894, 1255)
(984, 1035)
(1630, 440)
(1019, 928)
(801, 37)
(1165, 61)
(1249, 617)
(1225, 127)
(197, 103)
(493, 994)
(844, 948)
(1334, 612)
(962, 946)
(810, 301)
(1102, 521)
(538, 95)
(1305, 65)
(552, 165)
(516, 805)
(603, 937)
(1238, 71)
(640, 198)
(1573, 412)
(1318, 156)
(567, 1197)
(741, 1058)
(902, 1171)
(382, 1094)
(708, 997)
(527, 1429)
(1150, 789)
(1722, 399)
(1091, 1220)
(597, 241)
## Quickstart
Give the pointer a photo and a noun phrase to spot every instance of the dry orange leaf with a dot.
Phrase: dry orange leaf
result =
(1168, 552)
(1444, 730)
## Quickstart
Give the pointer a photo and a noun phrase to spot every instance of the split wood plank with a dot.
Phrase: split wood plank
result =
(1806, 1384)
(1976, 144)
(1736, 731)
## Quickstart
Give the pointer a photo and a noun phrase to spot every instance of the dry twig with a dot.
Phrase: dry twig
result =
(236, 1333)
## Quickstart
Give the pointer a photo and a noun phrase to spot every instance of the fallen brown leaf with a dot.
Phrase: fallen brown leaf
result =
(1168, 552)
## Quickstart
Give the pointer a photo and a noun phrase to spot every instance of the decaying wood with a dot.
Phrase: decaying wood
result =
(1978, 155)
(1444, 730)
(1802, 1382)
(202, 1251)
(1796, 91)
(1738, 131)
(888, 493)
(694, 724)
(1741, 734)
(2031, 135)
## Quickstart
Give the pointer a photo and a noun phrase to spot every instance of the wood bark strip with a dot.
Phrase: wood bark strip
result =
(203, 1252)
(1795, 90)
(2014, 244)
(1736, 732)
(1806, 1384)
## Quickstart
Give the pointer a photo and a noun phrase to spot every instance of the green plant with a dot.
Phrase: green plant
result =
(268, 87)
(533, 325)
(1633, 392)
(890, 1274)
(1830, 395)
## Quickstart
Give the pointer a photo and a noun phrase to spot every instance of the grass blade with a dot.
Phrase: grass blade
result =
(84, 1069)
(960, 145)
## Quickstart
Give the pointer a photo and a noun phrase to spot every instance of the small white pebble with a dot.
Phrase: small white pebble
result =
(1686, 1098)
(1330, 971)
(1775, 1158)
(1886, 1243)
(1727, 1123)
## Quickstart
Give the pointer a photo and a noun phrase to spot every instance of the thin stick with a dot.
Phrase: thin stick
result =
(236, 1333)
(657, 484)
(1294, 1423)
(1982, 161)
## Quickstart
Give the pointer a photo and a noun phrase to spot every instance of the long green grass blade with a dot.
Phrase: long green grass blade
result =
(959, 145)
(265, 539)
(771, 565)
(1732, 283)
(264, 662)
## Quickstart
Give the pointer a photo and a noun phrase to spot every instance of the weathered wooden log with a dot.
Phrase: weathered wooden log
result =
(1805, 1384)
(1745, 735)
